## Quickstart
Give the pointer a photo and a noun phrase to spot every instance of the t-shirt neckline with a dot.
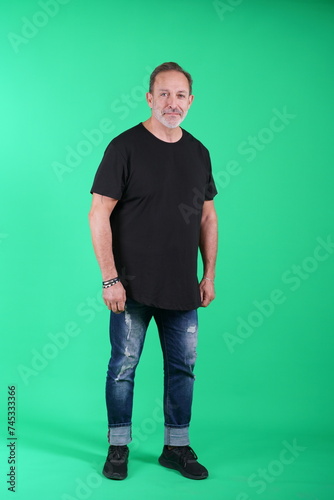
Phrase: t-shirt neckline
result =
(160, 140)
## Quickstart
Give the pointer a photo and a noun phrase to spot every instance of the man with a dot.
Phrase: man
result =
(152, 209)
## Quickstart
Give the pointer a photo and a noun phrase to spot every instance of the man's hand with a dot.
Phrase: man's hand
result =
(207, 292)
(114, 297)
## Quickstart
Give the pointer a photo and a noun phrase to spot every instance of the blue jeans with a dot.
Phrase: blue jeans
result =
(178, 339)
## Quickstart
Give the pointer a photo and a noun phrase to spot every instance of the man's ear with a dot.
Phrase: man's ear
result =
(191, 98)
(149, 99)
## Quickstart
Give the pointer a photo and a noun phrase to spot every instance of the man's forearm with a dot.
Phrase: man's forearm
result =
(208, 245)
(102, 243)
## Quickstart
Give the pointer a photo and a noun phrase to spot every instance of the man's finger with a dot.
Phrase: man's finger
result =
(114, 307)
(121, 306)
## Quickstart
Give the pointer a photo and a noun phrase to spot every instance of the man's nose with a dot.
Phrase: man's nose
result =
(172, 101)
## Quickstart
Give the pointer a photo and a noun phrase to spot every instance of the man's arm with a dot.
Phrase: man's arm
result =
(208, 248)
(102, 206)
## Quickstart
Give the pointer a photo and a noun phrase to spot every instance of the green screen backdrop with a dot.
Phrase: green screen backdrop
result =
(73, 76)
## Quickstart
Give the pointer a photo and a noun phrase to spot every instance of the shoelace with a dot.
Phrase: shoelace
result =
(117, 453)
(186, 453)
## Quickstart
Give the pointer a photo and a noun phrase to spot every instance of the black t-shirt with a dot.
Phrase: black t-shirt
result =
(161, 188)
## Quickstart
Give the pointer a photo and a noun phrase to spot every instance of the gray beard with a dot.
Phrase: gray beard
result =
(166, 122)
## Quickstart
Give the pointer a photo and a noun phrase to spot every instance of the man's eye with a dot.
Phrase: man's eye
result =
(163, 94)
(181, 96)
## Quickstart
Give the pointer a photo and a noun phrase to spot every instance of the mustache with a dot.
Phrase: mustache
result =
(172, 111)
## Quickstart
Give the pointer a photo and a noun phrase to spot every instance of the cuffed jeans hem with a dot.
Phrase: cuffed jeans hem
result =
(176, 436)
(120, 435)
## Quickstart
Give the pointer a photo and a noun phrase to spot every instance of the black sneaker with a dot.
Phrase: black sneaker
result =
(183, 459)
(116, 466)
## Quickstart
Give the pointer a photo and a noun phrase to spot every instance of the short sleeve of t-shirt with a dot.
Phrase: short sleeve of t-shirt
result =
(111, 175)
(210, 188)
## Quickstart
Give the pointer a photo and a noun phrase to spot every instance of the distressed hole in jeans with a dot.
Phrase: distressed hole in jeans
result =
(128, 322)
(192, 329)
(123, 369)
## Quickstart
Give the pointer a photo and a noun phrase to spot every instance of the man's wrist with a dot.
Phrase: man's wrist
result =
(109, 273)
(111, 282)
(208, 278)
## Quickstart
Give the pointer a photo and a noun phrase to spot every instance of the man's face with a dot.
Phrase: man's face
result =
(170, 99)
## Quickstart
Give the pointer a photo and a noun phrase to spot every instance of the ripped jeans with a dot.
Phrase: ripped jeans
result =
(178, 339)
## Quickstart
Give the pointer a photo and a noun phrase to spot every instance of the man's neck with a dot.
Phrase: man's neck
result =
(161, 132)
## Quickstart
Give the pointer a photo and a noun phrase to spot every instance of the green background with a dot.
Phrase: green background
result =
(259, 386)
